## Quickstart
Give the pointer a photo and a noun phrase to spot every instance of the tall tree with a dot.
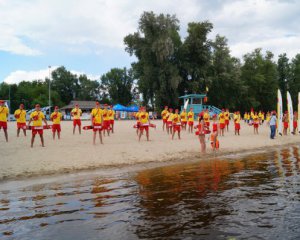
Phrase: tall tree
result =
(294, 83)
(88, 89)
(284, 72)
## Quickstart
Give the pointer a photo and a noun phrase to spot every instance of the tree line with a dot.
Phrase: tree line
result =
(167, 67)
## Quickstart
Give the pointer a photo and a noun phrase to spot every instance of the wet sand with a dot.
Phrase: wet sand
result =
(76, 152)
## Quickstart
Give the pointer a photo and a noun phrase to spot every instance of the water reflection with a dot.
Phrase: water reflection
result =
(253, 197)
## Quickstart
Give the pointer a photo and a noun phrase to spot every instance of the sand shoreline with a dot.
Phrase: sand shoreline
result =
(76, 153)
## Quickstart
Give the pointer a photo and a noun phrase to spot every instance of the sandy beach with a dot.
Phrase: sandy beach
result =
(76, 152)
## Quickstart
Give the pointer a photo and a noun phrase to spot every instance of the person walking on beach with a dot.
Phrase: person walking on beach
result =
(97, 120)
(183, 117)
(76, 114)
(164, 116)
(37, 117)
(144, 123)
(222, 122)
(20, 115)
(191, 120)
(176, 124)
(111, 114)
(3, 118)
(56, 118)
(272, 124)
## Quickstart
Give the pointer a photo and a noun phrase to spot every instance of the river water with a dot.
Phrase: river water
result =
(234, 197)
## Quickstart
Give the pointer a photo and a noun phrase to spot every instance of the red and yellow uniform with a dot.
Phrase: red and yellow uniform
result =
(37, 118)
(206, 118)
(268, 117)
(237, 120)
(97, 118)
(170, 119)
(56, 119)
(76, 113)
(106, 118)
(215, 127)
(183, 117)
(176, 122)
(137, 117)
(191, 118)
(20, 115)
(255, 121)
(111, 114)
(226, 115)
(164, 115)
(222, 120)
(3, 117)
(144, 121)
(295, 121)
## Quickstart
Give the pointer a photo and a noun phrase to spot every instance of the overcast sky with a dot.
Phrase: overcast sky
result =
(86, 36)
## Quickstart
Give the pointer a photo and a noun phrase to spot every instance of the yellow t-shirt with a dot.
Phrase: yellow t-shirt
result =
(206, 117)
(20, 115)
(37, 118)
(222, 118)
(97, 115)
(255, 119)
(137, 116)
(164, 114)
(175, 118)
(3, 114)
(56, 117)
(237, 118)
(170, 117)
(183, 116)
(111, 114)
(105, 115)
(226, 115)
(144, 117)
(191, 116)
(76, 113)
(245, 116)
(268, 117)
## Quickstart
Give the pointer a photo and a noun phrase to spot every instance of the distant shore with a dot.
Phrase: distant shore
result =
(76, 153)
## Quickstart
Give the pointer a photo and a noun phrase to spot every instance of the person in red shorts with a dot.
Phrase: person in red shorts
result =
(106, 120)
(190, 122)
(144, 123)
(285, 120)
(111, 114)
(237, 125)
(295, 122)
(56, 118)
(176, 124)
(169, 121)
(3, 118)
(227, 118)
(20, 115)
(255, 122)
(137, 117)
(222, 122)
(97, 121)
(164, 116)
(76, 114)
(37, 117)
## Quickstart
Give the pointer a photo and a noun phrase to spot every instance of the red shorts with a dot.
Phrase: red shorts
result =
(106, 124)
(295, 124)
(190, 123)
(222, 125)
(237, 126)
(169, 123)
(255, 125)
(37, 131)
(184, 123)
(21, 125)
(56, 127)
(97, 127)
(143, 127)
(3, 125)
(112, 122)
(226, 122)
(164, 120)
(207, 124)
(76, 122)
(176, 128)
(286, 125)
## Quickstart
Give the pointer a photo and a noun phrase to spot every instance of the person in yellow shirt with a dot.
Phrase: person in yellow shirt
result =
(76, 114)
(56, 118)
(191, 115)
(237, 125)
(137, 117)
(20, 115)
(176, 124)
(183, 117)
(227, 117)
(144, 123)
(245, 117)
(37, 117)
(222, 122)
(97, 121)
(255, 122)
(268, 117)
(260, 117)
(206, 118)
(106, 120)
(111, 114)
(169, 121)
(164, 115)
(3, 118)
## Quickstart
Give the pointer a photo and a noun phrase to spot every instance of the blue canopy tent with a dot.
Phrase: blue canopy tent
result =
(133, 108)
(119, 107)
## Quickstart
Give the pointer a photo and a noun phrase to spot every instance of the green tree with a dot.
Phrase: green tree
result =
(294, 83)
(88, 89)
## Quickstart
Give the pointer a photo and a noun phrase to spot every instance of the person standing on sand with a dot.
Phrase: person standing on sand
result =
(169, 121)
(76, 114)
(227, 118)
(97, 121)
(191, 120)
(285, 121)
(144, 123)
(111, 113)
(237, 125)
(295, 122)
(255, 123)
(56, 118)
(106, 120)
(214, 136)
(137, 117)
(20, 115)
(164, 115)
(272, 123)
(201, 132)
(3, 118)
(206, 118)
(37, 117)
(183, 117)
(176, 124)
(222, 122)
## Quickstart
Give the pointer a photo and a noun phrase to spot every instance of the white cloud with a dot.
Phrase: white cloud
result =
(20, 75)
(33, 27)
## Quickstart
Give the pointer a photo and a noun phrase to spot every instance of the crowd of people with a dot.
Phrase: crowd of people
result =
(207, 127)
